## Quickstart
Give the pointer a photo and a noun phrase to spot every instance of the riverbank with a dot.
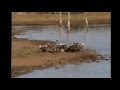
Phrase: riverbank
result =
(52, 19)
(26, 56)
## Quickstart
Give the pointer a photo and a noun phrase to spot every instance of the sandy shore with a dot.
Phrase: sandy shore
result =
(26, 56)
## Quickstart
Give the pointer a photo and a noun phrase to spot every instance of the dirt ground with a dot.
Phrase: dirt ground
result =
(26, 56)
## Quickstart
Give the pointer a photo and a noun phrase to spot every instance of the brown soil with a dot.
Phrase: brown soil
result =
(26, 56)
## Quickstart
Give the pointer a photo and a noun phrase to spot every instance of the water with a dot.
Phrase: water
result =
(97, 38)
(84, 70)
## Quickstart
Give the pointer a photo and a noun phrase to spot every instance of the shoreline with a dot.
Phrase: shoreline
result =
(54, 25)
(27, 57)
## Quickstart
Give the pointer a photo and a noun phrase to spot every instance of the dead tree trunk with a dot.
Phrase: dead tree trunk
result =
(68, 25)
(86, 19)
(60, 18)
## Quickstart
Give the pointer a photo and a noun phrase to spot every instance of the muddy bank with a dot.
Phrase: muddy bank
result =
(27, 56)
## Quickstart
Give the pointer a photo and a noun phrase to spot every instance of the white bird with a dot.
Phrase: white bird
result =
(48, 43)
(61, 44)
(62, 50)
(40, 46)
(83, 44)
(45, 45)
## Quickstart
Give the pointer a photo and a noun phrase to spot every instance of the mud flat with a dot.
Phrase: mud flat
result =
(26, 56)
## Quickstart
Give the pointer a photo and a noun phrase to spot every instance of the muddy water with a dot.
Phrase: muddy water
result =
(97, 38)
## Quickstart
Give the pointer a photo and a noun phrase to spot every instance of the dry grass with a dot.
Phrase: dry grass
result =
(48, 19)
(26, 56)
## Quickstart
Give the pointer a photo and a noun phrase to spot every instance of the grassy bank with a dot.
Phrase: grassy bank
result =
(52, 19)
(26, 56)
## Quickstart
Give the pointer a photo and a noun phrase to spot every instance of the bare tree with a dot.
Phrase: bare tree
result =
(60, 18)
(68, 20)
(86, 21)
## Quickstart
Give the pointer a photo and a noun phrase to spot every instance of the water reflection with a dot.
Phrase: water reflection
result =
(68, 37)
(65, 35)
(61, 33)
(87, 27)
(86, 36)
